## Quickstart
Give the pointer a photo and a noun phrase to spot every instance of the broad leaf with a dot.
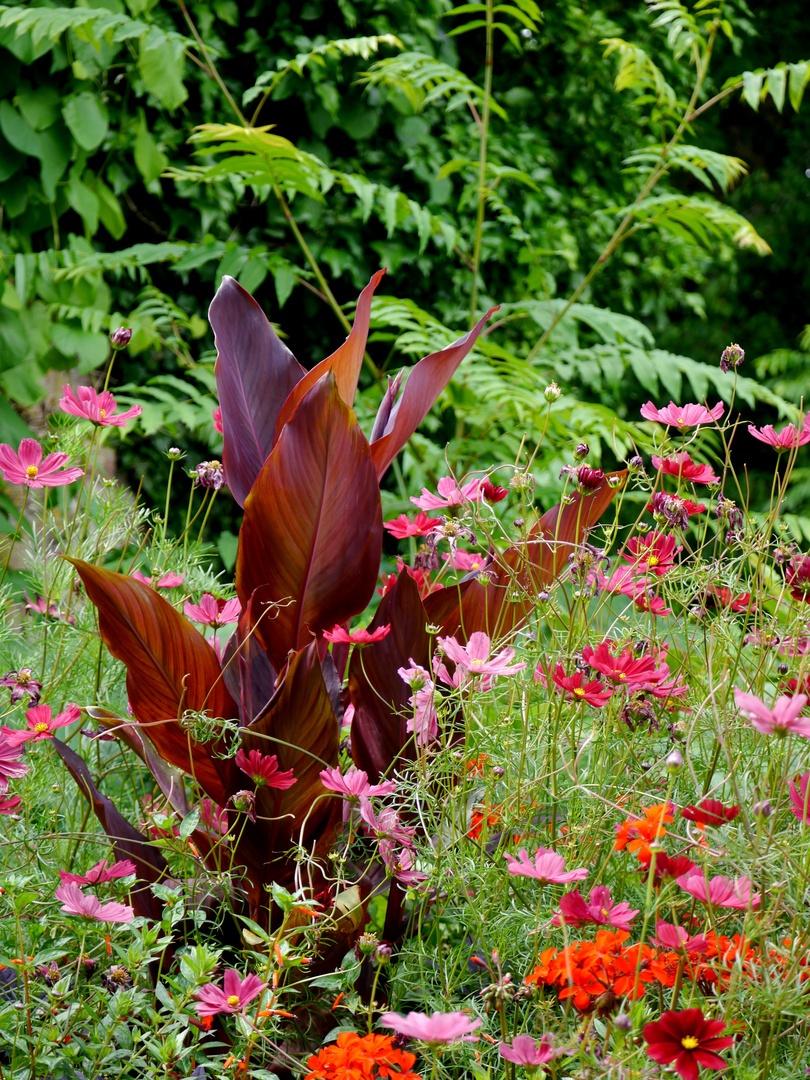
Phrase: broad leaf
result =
(170, 668)
(345, 362)
(246, 668)
(311, 539)
(255, 373)
(425, 382)
(378, 693)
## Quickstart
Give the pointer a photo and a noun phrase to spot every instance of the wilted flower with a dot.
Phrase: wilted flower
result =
(27, 466)
(731, 357)
(210, 475)
(22, 684)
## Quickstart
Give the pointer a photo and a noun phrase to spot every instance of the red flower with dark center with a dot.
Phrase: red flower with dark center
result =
(724, 598)
(667, 868)
(682, 466)
(687, 1039)
(711, 813)
(797, 577)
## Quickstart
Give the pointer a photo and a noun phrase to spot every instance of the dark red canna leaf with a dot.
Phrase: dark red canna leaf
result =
(311, 540)
(246, 668)
(379, 695)
(255, 373)
(170, 668)
(345, 362)
(426, 380)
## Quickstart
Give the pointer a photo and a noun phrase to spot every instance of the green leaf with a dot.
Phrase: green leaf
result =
(284, 281)
(19, 132)
(799, 75)
(752, 87)
(86, 118)
(56, 149)
(110, 212)
(777, 84)
(161, 63)
(190, 823)
(87, 350)
(149, 160)
(39, 106)
(85, 203)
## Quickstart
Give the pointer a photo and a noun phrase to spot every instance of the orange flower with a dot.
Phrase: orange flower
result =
(637, 834)
(480, 815)
(356, 1057)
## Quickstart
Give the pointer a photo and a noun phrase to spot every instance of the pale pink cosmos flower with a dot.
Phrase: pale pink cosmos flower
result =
(475, 658)
(547, 867)
(353, 784)
(263, 770)
(450, 494)
(233, 996)
(435, 1029)
(213, 612)
(28, 467)
(40, 725)
(799, 798)
(386, 826)
(100, 409)
(720, 891)
(424, 723)
(786, 439)
(528, 1052)
(675, 937)
(683, 416)
(782, 719)
(74, 902)
(599, 908)
(11, 768)
(99, 873)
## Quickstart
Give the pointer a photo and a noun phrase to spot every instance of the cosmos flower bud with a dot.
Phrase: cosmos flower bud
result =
(623, 1022)
(674, 762)
(762, 809)
(731, 357)
(581, 451)
(119, 339)
(551, 392)
(383, 953)
(174, 453)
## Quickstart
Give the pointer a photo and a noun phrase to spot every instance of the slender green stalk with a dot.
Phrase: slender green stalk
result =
(16, 534)
(489, 61)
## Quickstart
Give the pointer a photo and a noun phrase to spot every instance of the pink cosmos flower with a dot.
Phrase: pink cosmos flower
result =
(529, 1053)
(11, 768)
(435, 1029)
(40, 725)
(797, 578)
(22, 684)
(720, 891)
(782, 719)
(353, 784)
(213, 612)
(450, 494)
(575, 687)
(654, 553)
(233, 997)
(74, 902)
(402, 527)
(682, 466)
(467, 561)
(386, 826)
(683, 417)
(10, 804)
(475, 658)
(340, 635)
(625, 669)
(599, 909)
(725, 598)
(653, 605)
(799, 798)
(27, 466)
(99, 873)
(424, 723)
(675, 937)
(547, 867)
(167, 581)
(88, 404)
(263, 770)
(399, 865)
(786, 439)
(217, 417)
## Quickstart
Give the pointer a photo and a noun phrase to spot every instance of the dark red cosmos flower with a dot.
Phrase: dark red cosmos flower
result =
(723, 597)
(687, 1039)
(710, 812)
(667, 868)
(574, 686)
(492, 492)
(587, 479)
(623, 669)
(682, 466)
(797, 577)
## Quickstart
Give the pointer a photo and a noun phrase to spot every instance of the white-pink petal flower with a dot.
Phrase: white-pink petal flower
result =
(782, 719)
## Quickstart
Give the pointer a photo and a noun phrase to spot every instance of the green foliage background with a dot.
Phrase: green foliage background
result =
(119, 206)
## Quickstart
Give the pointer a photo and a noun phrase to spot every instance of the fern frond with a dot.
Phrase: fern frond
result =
(425, 81)
(704, 165)
(697, 220)
(89, 24)
(636, 71)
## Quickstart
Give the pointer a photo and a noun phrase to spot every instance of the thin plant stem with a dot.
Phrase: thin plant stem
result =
(16, 534)
(482, 160)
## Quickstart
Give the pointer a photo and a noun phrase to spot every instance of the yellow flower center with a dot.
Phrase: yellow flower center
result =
(681, 422)
(233, 1000)
(102, 413)
(653, 560)
(41, 727)
(689, 1042)
(619, 674)
(579, 692)
(31, 471)
(476, 663)
(476, 565)
(23, 679)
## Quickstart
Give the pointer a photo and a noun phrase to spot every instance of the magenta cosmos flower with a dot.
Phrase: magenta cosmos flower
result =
(475, 658)
(683, 417)
(720, 891)
(339, 635)
(675, 937)
(528, 1052)
(624, 669)
(575, 687)
(598, 909)
(547, 867)
(99, 873)
(798, 798)
(74, 902)
(11, 768)
(687, 1039)
(353, 784)
(98, 408)
(783, 719)
(232, 997)
(682, 466)
(402, 527)
(40, 725)
(10, 804)
(22, 684)
(435, 1029)
(654, 553)
(213, 612)
(28, 467)
(450, 494)
(786, 439)
(167, 581)
(263, 770)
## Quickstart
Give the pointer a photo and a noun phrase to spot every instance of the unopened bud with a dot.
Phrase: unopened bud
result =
(762, 809)
(551, 392)
(623, 1023)
(498, 771)
(174, 453)
(119, 339)
(731, 357)
(383, 953)
(581, 451)
(368, 943)
(674, 762)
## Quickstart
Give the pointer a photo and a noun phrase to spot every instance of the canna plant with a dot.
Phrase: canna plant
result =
(308, 479)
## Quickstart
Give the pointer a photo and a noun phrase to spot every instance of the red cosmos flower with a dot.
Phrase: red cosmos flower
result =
(667, 868)
(213, 612)
(653, 605)
(682, 466)
(402, 527)
(683, 417)
(587, 479)
(599, 908)
(786, 439)
(40, 725)
(687, 1039)
(263, 770)
(492, 493)
(9, 804)
(624, 670)
(710, 812)
(217, 416)
(797, 577)
(340, 635)
(88, 404)
(574, 686)
(654, 553)
(799, 799)
(28, 467)
(723, 597)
